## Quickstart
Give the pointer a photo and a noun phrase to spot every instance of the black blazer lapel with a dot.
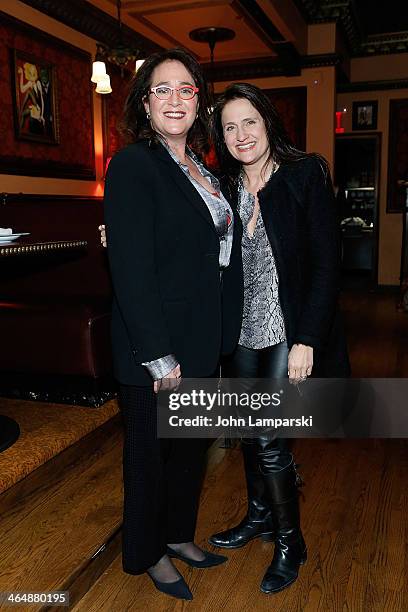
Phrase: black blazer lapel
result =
(184, 184)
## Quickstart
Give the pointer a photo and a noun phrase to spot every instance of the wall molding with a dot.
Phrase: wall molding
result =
(45, 37)
(7, 199)
(93, 22)
(30, 158)
(372, 86)
(254, 68)
(343, 14)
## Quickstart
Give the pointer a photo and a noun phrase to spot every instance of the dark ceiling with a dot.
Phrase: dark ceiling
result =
(381, 17)
(370, 27)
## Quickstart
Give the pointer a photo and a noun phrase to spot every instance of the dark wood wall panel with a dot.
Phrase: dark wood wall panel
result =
(291, 104)
(397, 156)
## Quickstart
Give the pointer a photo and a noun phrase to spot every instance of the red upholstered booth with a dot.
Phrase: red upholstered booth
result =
(55, 307)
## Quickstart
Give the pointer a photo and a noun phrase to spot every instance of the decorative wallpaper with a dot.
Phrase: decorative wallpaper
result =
(291, 104)
(73, 155)
(112, 111)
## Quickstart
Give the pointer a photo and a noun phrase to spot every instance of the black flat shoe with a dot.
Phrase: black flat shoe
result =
(178, 589)
(210, 559)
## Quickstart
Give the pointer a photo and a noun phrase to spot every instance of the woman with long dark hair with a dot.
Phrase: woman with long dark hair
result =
(288, 320)
(170, 236)
(290, 324)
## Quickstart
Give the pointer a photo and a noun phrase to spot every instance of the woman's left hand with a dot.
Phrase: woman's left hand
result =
(300, 362)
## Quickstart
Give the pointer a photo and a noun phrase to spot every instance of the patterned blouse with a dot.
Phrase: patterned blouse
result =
(263, 324)
(218, 206)
(223, 219)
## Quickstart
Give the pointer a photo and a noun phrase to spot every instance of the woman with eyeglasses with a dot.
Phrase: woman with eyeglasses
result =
(171, 235)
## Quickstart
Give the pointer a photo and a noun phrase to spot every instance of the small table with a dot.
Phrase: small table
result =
(9, 429)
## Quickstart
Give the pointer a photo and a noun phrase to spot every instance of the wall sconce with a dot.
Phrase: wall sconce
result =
(120, 55)
(139, 63)
(103, 85)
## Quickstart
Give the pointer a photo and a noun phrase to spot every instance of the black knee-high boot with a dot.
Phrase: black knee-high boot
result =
(258, 520)
(290, 548)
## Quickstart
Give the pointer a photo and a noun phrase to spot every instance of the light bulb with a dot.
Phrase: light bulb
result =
(104, 86)
(98, 71)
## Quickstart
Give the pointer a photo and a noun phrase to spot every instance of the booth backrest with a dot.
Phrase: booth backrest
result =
(55, 218)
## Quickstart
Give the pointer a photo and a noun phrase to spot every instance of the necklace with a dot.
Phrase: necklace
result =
(244, 178)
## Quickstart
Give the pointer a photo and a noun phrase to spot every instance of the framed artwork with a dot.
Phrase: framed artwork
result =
(365, 115)
(34, 99)
(46, 123)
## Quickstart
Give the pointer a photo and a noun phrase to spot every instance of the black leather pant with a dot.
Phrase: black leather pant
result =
(273, 454)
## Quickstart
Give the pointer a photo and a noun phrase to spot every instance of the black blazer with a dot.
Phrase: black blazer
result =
(301, 221)
(163, 253)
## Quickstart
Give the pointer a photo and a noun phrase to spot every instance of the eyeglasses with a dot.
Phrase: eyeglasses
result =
(187, 92)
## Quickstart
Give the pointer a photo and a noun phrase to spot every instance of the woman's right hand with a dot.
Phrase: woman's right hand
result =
(170, 381)
(102, 229)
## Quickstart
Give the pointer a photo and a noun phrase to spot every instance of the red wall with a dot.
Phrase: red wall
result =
(74, 156)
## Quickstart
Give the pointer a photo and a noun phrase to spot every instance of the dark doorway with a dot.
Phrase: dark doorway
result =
(356, 184)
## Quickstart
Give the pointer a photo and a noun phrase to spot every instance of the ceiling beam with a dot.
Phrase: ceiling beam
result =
(91, 21)
(287, 54)
(343, 13)
(256, 68)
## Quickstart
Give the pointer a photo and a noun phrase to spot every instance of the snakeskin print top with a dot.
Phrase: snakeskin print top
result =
(263, 323)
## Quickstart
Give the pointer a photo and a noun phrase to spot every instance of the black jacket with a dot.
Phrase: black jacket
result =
(163, 252)
(298, 209)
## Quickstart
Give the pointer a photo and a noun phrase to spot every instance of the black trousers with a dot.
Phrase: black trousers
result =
(162, 483)
(273, 454)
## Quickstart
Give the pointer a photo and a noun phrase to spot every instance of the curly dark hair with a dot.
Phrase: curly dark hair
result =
(135, 125)
(281, 148)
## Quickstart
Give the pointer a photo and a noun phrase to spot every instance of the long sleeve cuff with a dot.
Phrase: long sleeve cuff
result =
(159, 368)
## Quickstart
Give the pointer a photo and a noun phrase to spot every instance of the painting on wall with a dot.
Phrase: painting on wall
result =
(46, 119)
(35, 99)
(365, 115)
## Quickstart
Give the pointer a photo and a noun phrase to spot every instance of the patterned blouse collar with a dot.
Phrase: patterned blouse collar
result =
(202, 169)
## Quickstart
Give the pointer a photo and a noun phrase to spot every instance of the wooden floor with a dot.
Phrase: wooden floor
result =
(354, 509)
(377, 334)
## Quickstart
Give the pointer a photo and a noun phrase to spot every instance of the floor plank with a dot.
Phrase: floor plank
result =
(377, 334)
(354, 506)
(48, 539)
(352, 514)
